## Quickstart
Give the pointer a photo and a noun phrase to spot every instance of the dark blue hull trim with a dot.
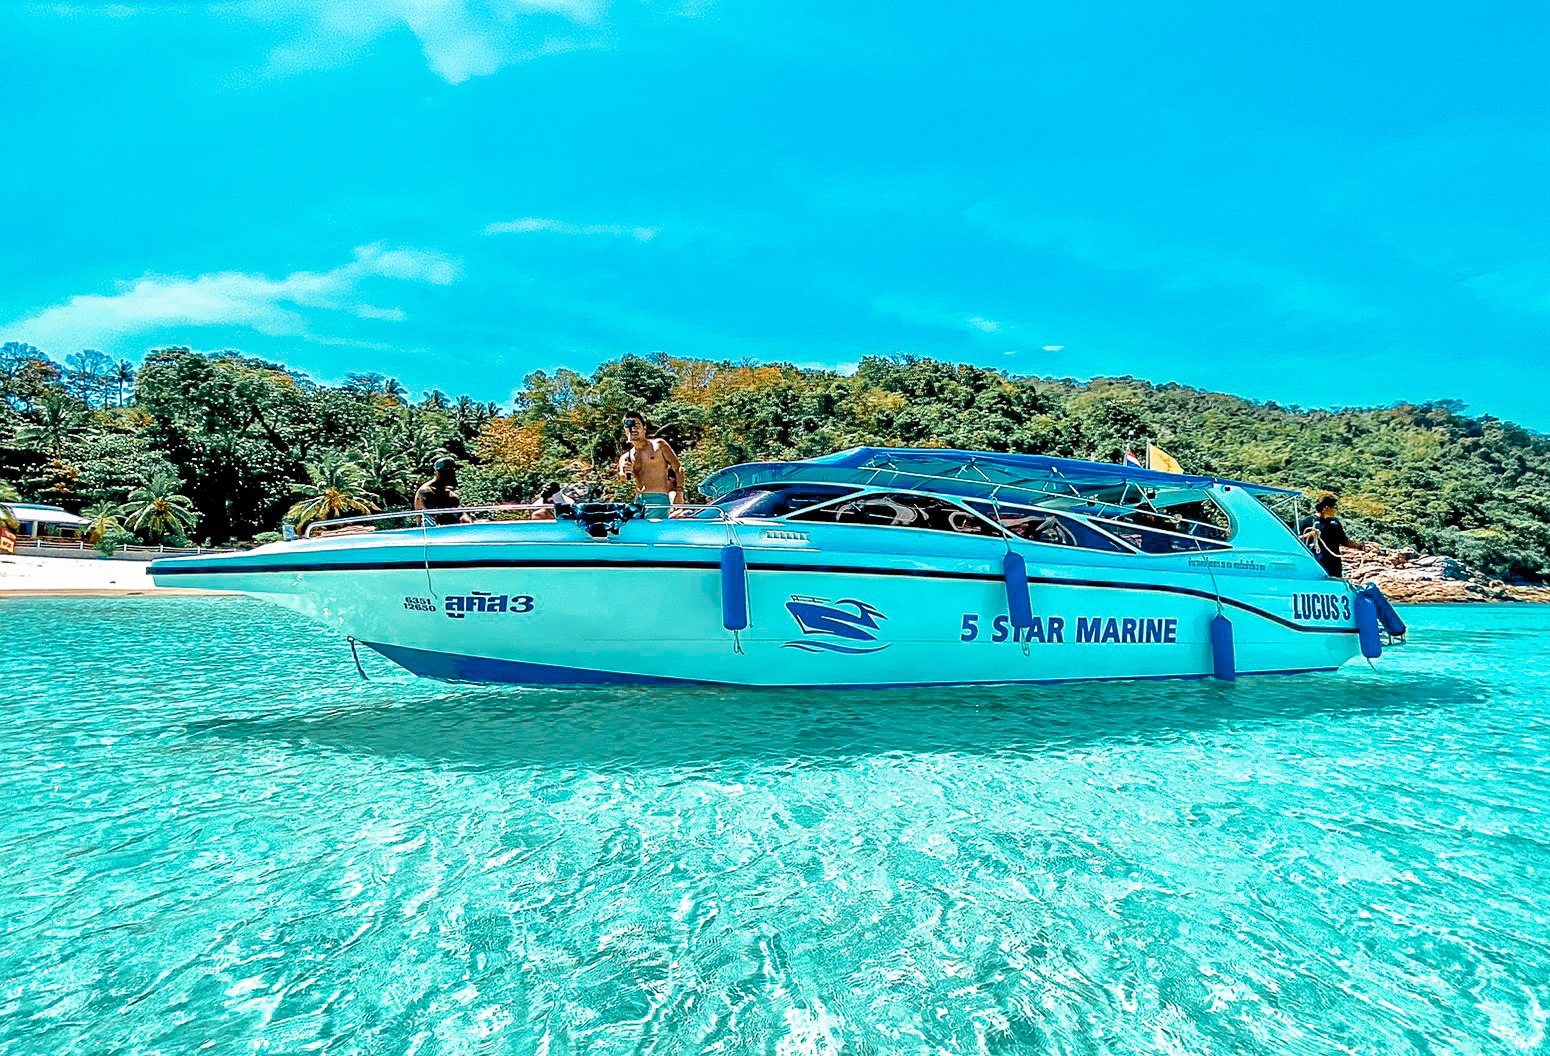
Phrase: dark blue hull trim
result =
(450, 667)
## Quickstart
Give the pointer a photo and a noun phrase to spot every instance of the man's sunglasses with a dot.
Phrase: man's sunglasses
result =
(630, 423)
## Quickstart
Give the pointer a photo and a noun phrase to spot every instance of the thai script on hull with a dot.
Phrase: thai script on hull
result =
(461, 606)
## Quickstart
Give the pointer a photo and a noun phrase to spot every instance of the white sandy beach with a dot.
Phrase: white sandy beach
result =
(48, 576)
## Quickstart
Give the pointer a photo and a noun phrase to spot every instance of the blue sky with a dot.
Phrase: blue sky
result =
(1318, 203)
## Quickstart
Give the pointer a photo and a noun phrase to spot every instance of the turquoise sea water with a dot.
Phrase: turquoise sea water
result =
(214, 837)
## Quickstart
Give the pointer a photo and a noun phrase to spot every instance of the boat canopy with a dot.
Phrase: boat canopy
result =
(973, 474)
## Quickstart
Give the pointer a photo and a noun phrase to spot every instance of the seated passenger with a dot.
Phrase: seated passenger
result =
(876, 510)
(1150, 542)
(548, 497)
(1035, 529)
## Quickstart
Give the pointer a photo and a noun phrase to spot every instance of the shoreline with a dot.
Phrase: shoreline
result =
(109, 592)
(29, 576)
(1407, 577)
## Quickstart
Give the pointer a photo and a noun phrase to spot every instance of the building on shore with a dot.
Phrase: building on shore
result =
(46, 522)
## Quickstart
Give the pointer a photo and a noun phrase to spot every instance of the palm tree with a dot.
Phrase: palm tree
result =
(384, 467)
(8, 495)
(470, 415)
(336, 488)
(418, 441)
(103, 518)
(123, 375)
(157, 508)
(365, 380)
(371, 383)
(57, 419)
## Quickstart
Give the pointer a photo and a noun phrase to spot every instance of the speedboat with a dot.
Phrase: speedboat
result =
(869, 567)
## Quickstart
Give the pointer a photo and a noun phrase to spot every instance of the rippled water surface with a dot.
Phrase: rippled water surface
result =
(215, 837)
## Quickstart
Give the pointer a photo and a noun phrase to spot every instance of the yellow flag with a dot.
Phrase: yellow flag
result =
(1157, 458)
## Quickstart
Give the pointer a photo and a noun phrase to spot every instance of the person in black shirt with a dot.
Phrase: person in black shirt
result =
(1326, 535)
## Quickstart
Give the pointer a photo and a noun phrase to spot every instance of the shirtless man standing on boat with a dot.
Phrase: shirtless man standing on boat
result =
(439, 493)
(650, 463)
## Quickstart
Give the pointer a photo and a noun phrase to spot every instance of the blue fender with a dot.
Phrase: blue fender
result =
(1018, 604)
(1388, 619)
(1223, 664)
(734, 588)
(1367, 625)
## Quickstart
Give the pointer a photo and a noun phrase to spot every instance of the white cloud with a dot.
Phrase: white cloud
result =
(230, 298)
(460, 38)
(1054, 348)
(532, 225)
(368, 311)
(413, 265)
(844, 366)
(918, 314)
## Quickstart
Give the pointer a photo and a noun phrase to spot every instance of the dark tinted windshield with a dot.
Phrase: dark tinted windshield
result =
(1045, 526)
(899, 510)
(779, 501)
(1171, 529)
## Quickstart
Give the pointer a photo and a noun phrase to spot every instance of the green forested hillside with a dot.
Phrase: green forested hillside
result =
(246, 440)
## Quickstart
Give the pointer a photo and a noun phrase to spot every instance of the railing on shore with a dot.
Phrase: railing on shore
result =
(68, 547)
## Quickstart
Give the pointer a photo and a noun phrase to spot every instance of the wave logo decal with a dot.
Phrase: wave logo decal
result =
(844, 626)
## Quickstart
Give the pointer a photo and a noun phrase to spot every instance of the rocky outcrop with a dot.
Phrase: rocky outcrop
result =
(1408, 576)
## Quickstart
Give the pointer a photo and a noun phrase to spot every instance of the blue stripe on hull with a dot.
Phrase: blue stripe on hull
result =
(452, 667)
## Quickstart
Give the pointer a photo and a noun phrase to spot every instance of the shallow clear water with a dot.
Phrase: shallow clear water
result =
(214, 837)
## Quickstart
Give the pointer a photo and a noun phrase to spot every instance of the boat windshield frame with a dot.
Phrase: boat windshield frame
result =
(1089, 519)
(1095, 493)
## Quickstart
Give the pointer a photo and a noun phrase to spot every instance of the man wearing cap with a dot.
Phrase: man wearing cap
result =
(1325, 536)
(438, 493)
(650, 463)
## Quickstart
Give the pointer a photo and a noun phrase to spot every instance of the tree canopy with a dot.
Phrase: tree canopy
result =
(243, 439)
